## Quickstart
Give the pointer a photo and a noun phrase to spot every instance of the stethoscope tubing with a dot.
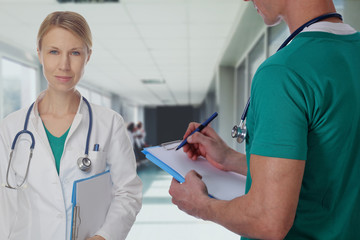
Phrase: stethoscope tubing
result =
(244, 114)
(285, 43)
(307, 24)
(25, 131)
(32, 146)
(90, 127)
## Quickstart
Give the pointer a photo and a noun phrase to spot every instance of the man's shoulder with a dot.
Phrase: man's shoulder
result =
(306, 53)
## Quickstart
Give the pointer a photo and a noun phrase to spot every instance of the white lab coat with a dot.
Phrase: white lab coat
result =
(42, 209)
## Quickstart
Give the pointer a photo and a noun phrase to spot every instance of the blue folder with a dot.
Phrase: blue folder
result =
(94, 201)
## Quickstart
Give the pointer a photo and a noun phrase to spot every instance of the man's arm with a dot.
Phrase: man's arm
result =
(266, 212)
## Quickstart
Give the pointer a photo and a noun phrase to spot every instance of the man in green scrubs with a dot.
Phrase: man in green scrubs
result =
(303, 145)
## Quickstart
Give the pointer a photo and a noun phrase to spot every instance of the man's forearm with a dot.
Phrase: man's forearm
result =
(245, 217)
(236, 162)
(268, 210)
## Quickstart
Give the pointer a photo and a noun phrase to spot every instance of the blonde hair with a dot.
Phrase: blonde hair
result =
(71, 21)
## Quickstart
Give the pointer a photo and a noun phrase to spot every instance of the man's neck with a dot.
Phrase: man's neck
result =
(299, 12)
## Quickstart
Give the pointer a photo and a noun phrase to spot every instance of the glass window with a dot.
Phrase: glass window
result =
(95, 98)
(84, 92)
(241, 98)
(129, 113)
(339, 5)
(256, 57)
(18, 84)
(241, 87)
(106, 101)
(277, 35)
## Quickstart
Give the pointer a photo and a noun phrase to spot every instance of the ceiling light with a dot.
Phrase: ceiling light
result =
(88, 1)
(153, 81)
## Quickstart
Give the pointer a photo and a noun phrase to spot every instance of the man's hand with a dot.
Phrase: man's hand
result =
(191, 195)
(208, 144)
(267, 211)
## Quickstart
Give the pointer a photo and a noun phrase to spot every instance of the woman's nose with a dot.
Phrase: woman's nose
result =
(65, 63)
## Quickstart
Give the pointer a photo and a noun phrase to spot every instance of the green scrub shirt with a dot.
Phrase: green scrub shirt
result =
(305, 105)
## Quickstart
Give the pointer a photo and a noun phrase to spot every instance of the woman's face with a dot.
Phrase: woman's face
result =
(63, 57)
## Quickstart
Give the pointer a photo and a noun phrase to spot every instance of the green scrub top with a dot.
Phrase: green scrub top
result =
(305, 105)
(57, 146)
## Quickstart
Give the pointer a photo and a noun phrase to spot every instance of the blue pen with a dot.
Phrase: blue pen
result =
(96, 147)
(201, 127)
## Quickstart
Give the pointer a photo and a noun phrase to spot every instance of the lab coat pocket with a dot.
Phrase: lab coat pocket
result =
(20, 230)
(22, 224)
(98, 161)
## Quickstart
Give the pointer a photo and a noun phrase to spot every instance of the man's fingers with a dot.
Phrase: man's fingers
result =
(197, 138)
(192, 126)
(173, 185)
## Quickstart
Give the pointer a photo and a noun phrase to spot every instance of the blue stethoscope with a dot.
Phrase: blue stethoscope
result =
(84, 163)
(239, 131)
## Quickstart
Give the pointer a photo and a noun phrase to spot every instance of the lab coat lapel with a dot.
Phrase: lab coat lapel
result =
(44, 164)
(76, 122)
(38, 126)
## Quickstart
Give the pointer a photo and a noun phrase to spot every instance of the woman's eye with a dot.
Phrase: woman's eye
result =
(75, 53)
(54, 52)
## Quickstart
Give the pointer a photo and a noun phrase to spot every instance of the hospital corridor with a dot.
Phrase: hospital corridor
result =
(160, 219)
(92, 93)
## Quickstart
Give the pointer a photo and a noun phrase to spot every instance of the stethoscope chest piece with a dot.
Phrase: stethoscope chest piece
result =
(239, 132)
(84, 163)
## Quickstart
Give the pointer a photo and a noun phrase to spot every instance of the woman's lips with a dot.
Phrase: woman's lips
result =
(63, 78)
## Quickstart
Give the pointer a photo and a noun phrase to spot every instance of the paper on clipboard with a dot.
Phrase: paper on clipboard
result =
(91, 199)
(220, 184)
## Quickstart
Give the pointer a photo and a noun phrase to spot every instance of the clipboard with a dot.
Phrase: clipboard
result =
(91, 199)
(220, 184)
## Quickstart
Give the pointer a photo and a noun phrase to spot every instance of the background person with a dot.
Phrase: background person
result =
(59, 121)
(303, 143)
(131, 132)
(140, 135)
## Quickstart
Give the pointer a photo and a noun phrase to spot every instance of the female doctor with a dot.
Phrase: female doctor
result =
(35, 197)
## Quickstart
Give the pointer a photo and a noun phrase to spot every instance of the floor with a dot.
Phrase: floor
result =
(159, 219)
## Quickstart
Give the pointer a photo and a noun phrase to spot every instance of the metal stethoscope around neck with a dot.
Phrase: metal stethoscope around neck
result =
(84, 163)
(239, 131)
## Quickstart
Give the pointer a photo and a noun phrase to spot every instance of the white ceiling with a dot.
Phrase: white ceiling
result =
(179, 41)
